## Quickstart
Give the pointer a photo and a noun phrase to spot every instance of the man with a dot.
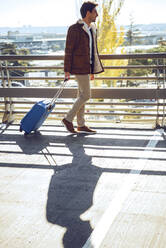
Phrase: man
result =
(82, 60)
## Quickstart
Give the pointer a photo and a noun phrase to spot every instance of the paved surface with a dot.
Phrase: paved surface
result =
(106, 190)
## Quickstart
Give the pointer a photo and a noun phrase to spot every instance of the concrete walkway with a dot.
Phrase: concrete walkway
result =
(106, 190)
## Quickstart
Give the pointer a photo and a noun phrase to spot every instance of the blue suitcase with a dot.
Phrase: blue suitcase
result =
(38, 113)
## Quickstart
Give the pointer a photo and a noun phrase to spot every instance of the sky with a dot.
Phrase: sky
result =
(16, 13)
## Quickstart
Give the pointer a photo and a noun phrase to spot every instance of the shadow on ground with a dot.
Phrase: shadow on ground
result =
(70, 194)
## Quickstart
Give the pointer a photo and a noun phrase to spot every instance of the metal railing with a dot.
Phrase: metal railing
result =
(135, 99)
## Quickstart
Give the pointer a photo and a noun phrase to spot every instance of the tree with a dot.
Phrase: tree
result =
(110, 38)
(132, 37)
(139, 71)
(129, 33)
(160, 49)
(146, 71)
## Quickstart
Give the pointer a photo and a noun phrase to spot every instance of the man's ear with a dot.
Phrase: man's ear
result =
(88, 13)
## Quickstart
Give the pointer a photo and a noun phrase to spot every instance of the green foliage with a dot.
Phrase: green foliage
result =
(132, 37)
(141, 71)
(159, 49)
(145, 72)
(142, 62)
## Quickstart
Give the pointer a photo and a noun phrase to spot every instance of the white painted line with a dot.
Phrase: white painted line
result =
(97, 236)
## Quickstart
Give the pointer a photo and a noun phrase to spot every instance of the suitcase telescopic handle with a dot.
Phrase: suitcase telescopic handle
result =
(58, 92)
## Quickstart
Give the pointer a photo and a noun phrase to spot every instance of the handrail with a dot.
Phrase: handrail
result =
(73, 78)
(97, 93)
(102, 56)
(61, 67)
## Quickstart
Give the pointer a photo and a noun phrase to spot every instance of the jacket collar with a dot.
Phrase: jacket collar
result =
(92, 25)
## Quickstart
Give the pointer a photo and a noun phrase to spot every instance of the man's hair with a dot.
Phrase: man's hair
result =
(87, 6)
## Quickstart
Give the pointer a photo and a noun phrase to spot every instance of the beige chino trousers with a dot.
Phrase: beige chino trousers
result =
(84, 93)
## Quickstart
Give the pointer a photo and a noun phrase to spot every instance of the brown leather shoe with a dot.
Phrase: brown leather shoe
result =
(85, 129)
(68, 125)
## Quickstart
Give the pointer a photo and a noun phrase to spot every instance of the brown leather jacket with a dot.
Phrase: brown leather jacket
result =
(77, 51)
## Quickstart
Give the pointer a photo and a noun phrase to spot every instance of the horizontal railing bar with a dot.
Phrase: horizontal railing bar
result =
(35, 78)
(100, 93)
(73, 78)
(98, 108)
(133, 56)
(30, 67)
(105, 112)
(136, 67)
(141, 120)
(149, 120)
(90, 103)
(96, 113)
(61, 67)
(31, 57)
(102, 56)
(113, 110)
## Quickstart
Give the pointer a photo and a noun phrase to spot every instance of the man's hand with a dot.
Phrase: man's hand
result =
(67, 75)
(92, 77)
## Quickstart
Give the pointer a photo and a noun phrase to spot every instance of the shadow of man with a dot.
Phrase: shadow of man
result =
(70, 193)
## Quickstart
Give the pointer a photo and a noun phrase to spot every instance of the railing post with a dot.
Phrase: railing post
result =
(157, 96)
(4, 118)
(164, 80)
(159, 86)
(8, 116)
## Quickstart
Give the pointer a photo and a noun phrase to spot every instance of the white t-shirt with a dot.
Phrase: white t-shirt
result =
(90, 39)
